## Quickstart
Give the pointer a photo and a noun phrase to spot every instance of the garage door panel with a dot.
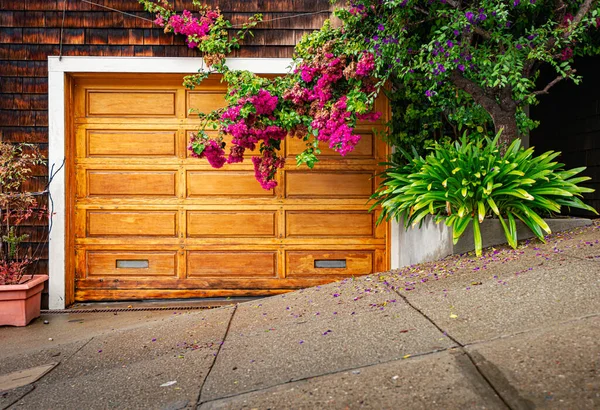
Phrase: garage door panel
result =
(128, 264)
(131, 103)
(231, 224)
(140, 223)
(331, 223)
(231, 264)
(318, 263)
(329, 184)
(126, 144)
(204, 101)
(151, 221)
(224, 183)
(365, 149)
(131, 183)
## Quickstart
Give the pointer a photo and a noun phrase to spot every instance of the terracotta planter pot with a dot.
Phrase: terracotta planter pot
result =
(20, 304)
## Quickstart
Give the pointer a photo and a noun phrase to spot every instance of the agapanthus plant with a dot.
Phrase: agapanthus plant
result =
(462, 183)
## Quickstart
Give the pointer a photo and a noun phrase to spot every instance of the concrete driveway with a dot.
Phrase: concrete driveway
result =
(513, 329)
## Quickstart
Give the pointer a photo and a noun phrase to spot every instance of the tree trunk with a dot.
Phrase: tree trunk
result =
(506, 123)
(501, 107)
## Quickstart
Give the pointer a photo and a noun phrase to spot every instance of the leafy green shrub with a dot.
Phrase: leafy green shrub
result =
(467, 181)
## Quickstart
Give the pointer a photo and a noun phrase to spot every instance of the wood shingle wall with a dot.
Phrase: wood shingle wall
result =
(30, 31)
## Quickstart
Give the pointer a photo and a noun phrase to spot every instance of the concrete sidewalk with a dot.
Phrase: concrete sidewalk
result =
(513, 329)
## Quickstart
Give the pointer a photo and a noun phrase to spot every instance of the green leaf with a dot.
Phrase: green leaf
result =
(460, 225)
(512, 241)
(481, 210)
(477, 237)
(493, 206)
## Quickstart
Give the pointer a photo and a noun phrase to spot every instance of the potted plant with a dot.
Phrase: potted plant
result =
(20, 289)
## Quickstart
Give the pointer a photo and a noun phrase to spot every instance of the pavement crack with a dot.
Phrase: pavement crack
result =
(212, 365)
(21, 397)
(479, 370)
(338, 371)
(530, 330)
(75, 352)
(47, 373)
(579, 258)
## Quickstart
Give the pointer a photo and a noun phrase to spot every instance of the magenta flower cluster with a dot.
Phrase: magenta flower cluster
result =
(365, 65)
(314, 95)
(194, 28)
(213, 150)
(257, 127)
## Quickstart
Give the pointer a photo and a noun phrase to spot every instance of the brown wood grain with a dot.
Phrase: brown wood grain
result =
(231, 264)
(303, 263)
(205, 232)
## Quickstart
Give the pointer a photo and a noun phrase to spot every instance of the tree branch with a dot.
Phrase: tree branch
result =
(583, 10)
(479, 95)
(481, 32)
(552, 83)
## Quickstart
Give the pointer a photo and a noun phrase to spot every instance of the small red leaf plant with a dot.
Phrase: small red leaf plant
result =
(16, 166)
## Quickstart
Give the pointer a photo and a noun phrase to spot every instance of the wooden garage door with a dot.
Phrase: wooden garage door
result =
(151, 222)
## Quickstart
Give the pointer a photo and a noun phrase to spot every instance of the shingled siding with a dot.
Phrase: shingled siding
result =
(570, 123)
(30, 31)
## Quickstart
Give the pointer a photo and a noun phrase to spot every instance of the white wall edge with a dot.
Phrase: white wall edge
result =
(56, 156)
(161, 65)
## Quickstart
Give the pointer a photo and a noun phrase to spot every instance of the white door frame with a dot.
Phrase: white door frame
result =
(58, 68)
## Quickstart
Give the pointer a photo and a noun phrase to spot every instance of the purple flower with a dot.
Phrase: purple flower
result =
(429, 93)
(450, 44)
(482, 16)
(516, 3)
(375, 37)
(461, 67)
(381, 27)
(519, 46)
(456, 32)
(442, 68)
(469, 15)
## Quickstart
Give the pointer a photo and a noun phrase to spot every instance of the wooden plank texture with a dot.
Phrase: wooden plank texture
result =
(224, 183)
(141, 223)
(331, 223)
(303, 263)
(150, 221)
(232, 264)
(125, 144)
(231, 223)
(104, 263)
(339, 184)
(131, 183)
(112, 103)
